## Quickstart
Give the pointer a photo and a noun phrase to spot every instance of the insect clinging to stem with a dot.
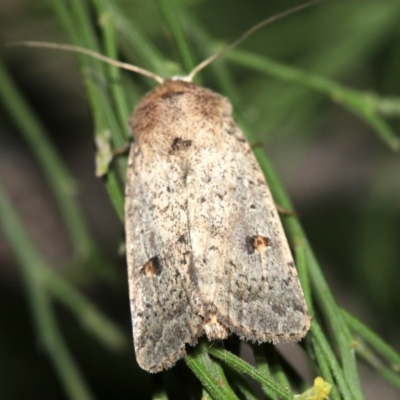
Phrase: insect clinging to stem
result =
(206, 250)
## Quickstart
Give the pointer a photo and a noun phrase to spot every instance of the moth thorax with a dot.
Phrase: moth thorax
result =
(177, 106)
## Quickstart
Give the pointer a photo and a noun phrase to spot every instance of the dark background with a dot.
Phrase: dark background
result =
(343, 180)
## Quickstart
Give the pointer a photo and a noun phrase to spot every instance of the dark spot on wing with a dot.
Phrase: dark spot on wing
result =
(152, 267)
(256, 242)
(182, 239)
(180, 144)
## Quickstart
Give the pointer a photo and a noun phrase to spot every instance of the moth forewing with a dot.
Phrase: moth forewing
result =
(206, 249)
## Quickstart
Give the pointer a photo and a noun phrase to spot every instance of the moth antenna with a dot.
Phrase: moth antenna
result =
(91, 53)
(245, 35)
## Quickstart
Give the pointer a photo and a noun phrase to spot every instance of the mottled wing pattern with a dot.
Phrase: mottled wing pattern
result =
(206, 249)
(159, 255)
(242, 264)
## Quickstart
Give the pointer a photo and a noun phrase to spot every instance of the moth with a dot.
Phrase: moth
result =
(206, 250)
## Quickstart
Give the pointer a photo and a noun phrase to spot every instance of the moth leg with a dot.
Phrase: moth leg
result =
(105, 156)
(256, 144)
(285, 211)
(124, 149)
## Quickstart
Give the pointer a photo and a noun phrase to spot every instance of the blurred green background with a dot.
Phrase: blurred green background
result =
(343, 179)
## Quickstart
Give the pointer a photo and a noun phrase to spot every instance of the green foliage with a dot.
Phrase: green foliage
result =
(337, 339)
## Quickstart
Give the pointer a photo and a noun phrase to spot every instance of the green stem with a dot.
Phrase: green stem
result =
(33, 267)
(61, 183)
